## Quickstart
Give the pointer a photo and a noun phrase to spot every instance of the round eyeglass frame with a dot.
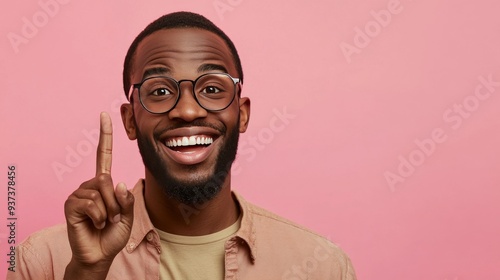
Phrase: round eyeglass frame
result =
(178, 83)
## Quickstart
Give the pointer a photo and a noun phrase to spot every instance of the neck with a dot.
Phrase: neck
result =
(174, 217)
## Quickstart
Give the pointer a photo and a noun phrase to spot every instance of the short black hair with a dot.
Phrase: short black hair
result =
(177, 20)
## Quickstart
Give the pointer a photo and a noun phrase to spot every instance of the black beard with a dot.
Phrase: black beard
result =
(195, 192)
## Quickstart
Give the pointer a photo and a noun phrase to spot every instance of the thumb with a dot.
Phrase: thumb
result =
(126, 200)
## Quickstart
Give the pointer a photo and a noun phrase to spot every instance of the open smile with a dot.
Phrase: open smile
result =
(193, 140)
(190, 145)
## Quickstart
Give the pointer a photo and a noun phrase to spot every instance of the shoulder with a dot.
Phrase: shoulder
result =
(41, 235)
(262, 215)
(294, 247)
(267, 222)
(51, 238)
(44, 254)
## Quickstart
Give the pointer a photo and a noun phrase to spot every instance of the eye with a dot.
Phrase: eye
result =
(160, 92)
(211, 90)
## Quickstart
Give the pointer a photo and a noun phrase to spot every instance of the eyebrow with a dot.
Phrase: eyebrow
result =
(155, 71)
(210, 66)
(207, 67)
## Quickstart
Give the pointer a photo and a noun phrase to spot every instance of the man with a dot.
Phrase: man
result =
(183, 78)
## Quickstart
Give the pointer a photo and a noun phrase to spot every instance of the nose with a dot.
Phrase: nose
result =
(187, 107)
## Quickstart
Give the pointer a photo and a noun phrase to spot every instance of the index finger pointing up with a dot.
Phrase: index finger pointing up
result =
(105, 146)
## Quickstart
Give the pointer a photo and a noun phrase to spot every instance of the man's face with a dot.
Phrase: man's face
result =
(194, 173)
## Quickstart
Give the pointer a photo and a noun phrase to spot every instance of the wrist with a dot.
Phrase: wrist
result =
(76, 270)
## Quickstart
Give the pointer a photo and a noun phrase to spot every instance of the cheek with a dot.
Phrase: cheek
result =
(146, 122)
(229, 122)
(230, 116)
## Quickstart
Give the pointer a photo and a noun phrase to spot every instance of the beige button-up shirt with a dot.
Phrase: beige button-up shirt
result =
(265, 247)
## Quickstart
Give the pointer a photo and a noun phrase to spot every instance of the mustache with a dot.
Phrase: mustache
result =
(200, 123)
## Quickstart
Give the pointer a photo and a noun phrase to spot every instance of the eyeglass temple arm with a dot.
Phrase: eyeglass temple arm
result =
(131, 91)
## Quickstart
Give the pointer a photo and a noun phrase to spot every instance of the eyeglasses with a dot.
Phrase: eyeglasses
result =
(212, 91)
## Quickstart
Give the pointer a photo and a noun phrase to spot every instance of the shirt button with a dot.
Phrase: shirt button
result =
(149, 237)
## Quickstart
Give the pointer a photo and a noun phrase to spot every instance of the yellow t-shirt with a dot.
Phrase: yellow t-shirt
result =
(194, 257)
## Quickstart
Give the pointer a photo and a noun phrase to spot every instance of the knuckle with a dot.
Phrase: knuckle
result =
(105, 150)
(94, 195)
(93, 211)
(103, 178)
(85, 185)
(89, 204)
(114, 208)
(67, 204)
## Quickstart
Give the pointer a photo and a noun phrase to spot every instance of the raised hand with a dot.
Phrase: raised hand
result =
(98, 216)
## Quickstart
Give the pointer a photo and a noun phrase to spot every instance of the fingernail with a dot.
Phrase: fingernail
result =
(122, 188)
(117, 218)
(101, 226)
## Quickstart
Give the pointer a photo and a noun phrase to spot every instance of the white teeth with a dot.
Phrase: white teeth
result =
(189, 141)
(192, 140)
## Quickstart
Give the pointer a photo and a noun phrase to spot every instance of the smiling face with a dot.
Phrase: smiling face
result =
(187, 151)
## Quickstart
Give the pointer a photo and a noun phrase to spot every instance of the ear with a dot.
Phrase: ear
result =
(128, 120)
(244, 113)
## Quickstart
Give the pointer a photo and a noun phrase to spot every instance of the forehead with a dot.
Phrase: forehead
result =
(182, 51)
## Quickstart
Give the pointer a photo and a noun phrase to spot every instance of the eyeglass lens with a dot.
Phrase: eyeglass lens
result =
(212, 91)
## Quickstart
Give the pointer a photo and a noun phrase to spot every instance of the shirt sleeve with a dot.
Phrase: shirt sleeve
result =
(44, 255)
(28, 265)
(350, 273)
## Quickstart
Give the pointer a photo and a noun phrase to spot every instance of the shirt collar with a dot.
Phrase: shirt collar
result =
(247, 229)
(142, 224)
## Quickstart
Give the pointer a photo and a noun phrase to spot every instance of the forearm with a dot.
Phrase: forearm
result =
(78, 271)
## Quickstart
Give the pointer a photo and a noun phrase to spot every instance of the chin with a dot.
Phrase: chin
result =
(191, 184)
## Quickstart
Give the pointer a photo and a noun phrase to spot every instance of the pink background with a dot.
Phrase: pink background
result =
(359, 94)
